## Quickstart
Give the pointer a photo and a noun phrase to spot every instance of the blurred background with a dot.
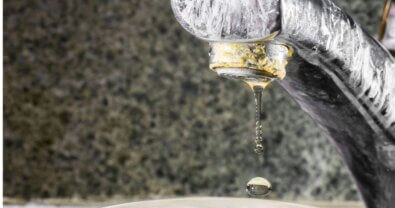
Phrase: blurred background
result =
(113, 99)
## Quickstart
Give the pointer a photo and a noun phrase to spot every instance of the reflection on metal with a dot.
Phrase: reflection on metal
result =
(228, 19)
(387, 32)
(339, 74)
(384, 19)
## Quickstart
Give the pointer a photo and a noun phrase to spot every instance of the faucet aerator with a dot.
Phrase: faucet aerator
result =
(256, 63)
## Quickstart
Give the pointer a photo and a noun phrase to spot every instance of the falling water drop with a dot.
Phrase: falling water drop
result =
(258, 186)
(258, 120)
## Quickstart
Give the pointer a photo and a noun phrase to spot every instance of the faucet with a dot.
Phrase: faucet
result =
(340, 75)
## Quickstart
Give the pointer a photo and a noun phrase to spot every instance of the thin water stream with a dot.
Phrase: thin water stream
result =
(258, 186)
(258, 120)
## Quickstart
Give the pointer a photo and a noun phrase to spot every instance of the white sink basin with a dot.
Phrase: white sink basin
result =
(209, 202)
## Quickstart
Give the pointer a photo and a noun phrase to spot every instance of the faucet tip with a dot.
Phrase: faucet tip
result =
(256, 63)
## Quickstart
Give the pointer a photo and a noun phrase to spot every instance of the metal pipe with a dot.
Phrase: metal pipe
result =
(338, 74)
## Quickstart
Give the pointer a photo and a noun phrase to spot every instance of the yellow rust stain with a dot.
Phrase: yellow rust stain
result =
(259, 84)
(248, 56)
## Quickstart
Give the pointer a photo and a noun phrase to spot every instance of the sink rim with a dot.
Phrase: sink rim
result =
(209, 202)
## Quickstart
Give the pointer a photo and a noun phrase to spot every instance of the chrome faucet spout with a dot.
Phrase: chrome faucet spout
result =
(341, 76)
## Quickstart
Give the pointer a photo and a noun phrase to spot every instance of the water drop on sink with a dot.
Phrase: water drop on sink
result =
(258, 186)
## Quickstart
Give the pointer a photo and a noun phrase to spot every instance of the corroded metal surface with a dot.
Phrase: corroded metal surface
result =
(270, 59)
(340, 75)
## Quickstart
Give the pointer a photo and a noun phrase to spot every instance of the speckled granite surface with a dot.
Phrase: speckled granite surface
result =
(106, 98)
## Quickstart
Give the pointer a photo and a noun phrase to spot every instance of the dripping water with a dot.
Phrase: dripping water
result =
(258, 120)
(258, 186)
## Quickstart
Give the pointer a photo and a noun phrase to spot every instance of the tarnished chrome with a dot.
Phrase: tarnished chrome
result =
(252, 62)
(228, 19)
(338, 74)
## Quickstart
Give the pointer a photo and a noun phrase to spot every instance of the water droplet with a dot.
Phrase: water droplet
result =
(258, 149)
(258, 119)
(258, 186)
